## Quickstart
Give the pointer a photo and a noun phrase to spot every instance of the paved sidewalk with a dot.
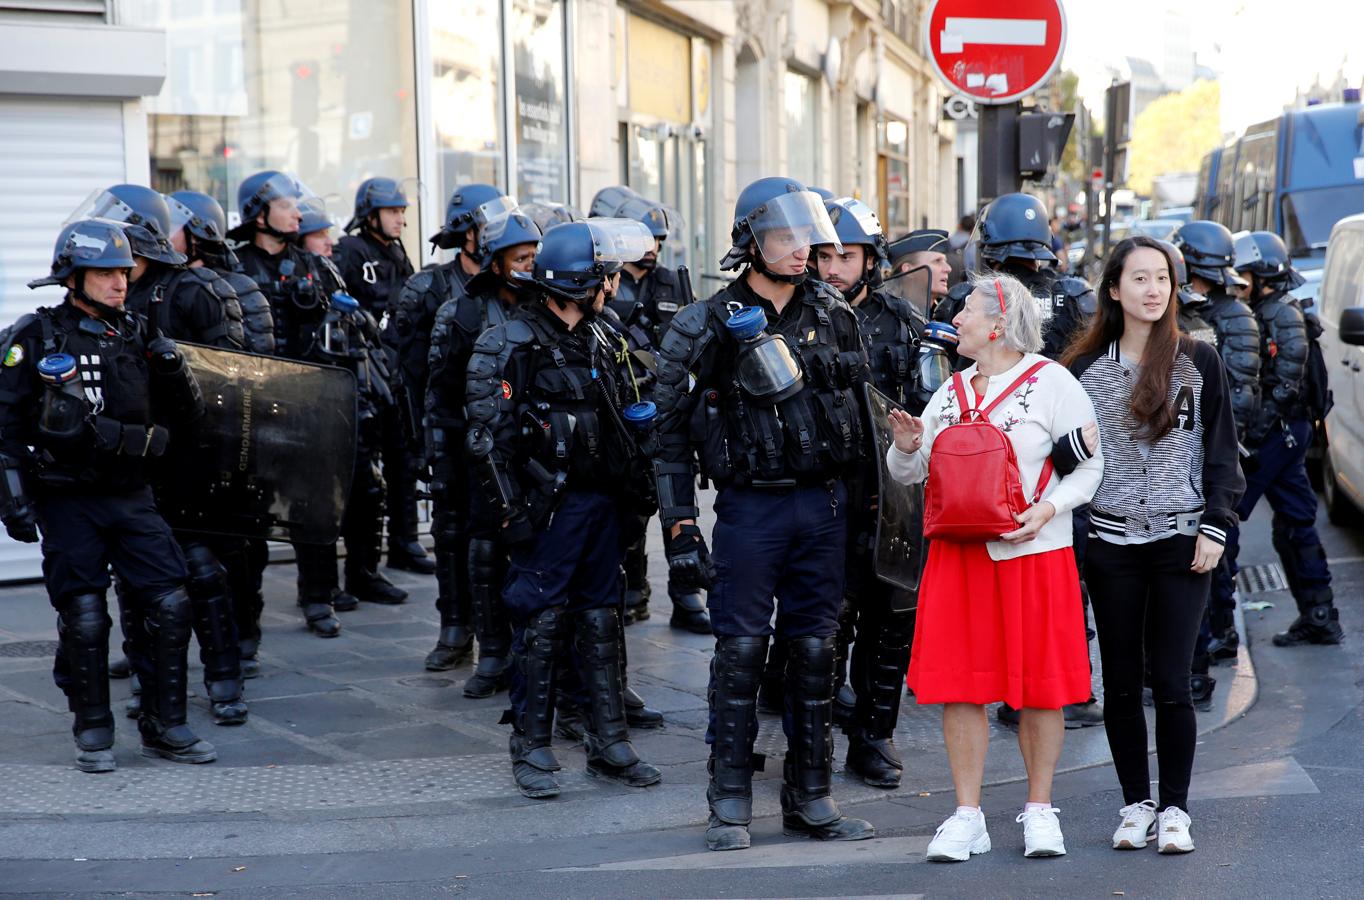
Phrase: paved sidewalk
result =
(352, 745)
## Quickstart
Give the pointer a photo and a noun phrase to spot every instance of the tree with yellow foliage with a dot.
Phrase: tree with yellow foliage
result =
(1174, 133)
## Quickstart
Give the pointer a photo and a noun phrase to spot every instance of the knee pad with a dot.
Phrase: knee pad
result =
(171, 611)
(85, 619)
(207, 576)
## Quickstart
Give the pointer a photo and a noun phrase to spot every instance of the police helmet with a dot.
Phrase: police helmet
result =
(824, 193)
(255, 193)
(88, 244)
(606, 201)
(776, 204)
(199, 214)
(1014, 226)
(505, 231)
(574, 259)
(470, 207)
(1209, 250)
(654, 216)
(855, 223)
(1264, 255)
(315, 216)
(145, 213)
(375, 194)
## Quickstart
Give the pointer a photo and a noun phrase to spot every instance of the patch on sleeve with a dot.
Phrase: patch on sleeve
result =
(14, 356)
(506, 391)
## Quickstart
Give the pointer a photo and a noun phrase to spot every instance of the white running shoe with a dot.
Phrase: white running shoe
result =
(959, 837)
(1041, 832)
(1138, 826)
(1172, 832)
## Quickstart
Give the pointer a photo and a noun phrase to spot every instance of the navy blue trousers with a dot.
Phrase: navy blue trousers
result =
(574, 562)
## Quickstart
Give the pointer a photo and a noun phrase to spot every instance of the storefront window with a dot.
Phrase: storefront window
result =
(802, 128)
(466, 95)
(893, 170)
(321, 88)
(537, 36)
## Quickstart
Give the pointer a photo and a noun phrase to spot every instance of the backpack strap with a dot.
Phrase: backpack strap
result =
(1032, 370)
(959, 384)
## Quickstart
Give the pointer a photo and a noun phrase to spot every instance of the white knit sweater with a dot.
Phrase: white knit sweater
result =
(1035, 416)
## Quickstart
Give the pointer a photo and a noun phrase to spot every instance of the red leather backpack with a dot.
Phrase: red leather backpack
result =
(974, 487)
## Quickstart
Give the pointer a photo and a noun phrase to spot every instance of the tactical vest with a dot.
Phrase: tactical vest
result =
(891, 337)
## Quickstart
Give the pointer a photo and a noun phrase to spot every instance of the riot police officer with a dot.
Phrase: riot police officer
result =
(548, 443)
(1280, 434)
(375, 267)
(877, 620)
(767, 375)
(1191, 303)
(415, 312)
(646, 297)
(185, 303)
(85, 396)
(548, 213)
(200, 232)
(470, 567)
(1012, 236)
(313, 324)
(1209, 251)
(315, 227)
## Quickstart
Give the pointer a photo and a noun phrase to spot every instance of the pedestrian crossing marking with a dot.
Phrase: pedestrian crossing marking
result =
(787, 854)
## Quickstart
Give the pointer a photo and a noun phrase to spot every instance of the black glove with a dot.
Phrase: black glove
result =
(23, 527)
(689, 565)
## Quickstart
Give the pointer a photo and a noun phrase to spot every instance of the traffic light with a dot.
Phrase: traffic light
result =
(305, 94)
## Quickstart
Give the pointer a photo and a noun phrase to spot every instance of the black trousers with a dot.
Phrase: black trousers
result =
(1148, 604)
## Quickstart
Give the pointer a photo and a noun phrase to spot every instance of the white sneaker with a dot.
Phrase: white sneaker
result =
(1042, 832)
(959, 837)
(1172, 833)
(1138, 826)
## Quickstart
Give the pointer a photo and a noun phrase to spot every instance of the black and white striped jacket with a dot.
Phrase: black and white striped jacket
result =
(1194, 472)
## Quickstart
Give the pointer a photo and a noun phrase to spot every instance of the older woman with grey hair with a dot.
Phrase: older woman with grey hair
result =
(1002, 619)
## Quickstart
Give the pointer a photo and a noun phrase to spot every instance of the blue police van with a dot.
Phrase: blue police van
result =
(1295, 175)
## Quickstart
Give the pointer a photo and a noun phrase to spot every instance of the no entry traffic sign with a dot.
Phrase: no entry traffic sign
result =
(994, 51)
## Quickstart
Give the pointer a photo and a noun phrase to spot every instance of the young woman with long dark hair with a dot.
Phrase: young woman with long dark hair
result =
(1158, 523)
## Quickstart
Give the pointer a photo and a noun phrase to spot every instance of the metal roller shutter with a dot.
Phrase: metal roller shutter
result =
(55, 152)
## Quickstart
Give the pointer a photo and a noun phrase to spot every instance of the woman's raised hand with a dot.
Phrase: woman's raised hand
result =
(908, 431)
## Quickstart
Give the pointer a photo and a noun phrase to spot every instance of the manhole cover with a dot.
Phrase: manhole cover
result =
(1261, 579)
(28, 649)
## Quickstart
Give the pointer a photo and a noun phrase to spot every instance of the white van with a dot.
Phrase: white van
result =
(1341, 307)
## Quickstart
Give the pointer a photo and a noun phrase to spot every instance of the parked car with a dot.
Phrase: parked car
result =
(1340, 305)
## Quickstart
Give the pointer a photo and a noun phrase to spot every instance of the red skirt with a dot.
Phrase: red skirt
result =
(1012, 630)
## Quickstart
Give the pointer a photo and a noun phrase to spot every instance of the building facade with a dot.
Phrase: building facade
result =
(685, 100)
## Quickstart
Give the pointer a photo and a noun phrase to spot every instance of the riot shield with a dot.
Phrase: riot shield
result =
(900, 542)
(274, 454)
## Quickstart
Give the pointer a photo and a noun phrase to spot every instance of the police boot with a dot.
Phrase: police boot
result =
(1082, 715)
(845, 697)
(689, 611)
(880, 659)
(215, 627)
(243, 587)
(1318, 621)
(772, 693)
(317, 587)
(533, 760)
(165, 734)
(247, 648)
(83, 627)
(637, 713)
(369, 586)
(1225, 642)
(120, 668)
(456, 642)
(320, 615)
(1201, 684)
(405, 552)
(807, 804)
(635, 568)
(568, 720)
(490, 620)
(609, 751)
(735, 671)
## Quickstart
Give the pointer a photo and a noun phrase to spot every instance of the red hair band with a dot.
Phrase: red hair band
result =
(999, 289)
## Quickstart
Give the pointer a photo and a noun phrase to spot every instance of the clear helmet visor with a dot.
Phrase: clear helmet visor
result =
(866, 219)
(182, 216)
(619, 240)
(100, 204)
(486, 212)
(790, 223)
(284, 191)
